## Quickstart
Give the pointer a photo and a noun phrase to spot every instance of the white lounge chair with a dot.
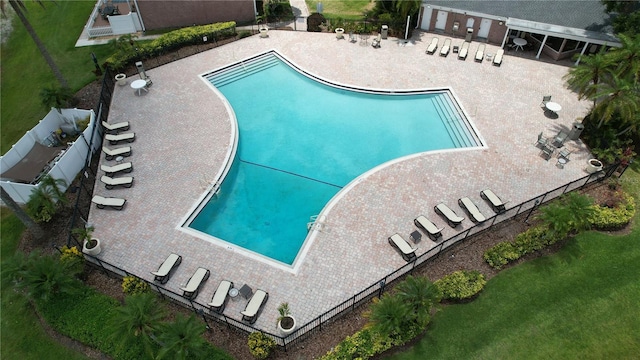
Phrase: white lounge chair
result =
(464, 49)
(426, 225)
(110, 183)
(121, 126)
(110, 170)
(480, 53)
(497, 60)
(190, 291)
(496, 203)
(219, 298)
(450, 216)
(399, 243)
(167, 268)
(111, 154)
(444, 50)
(112, 202)
(114, 139)
(471, 209)
(254, 306)
(431, 49)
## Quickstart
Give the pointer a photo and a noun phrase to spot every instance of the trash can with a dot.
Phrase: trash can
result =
(385, 31)
(576, 130)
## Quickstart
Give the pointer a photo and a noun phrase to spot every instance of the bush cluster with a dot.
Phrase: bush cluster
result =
(530, 241)
(606, 218)
(260, 345)
(461, 285)
(367, 343)
(132, 285)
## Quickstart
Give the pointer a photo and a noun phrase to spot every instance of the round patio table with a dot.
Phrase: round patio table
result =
(139, 85)
(519, 42)
(553, 107)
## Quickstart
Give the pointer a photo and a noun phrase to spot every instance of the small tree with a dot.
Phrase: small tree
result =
(568, 214)
(56, 97)
(46, 276)
(46, 199)
(139, 320)
(182, 339)
(420, 295)
(389, 315)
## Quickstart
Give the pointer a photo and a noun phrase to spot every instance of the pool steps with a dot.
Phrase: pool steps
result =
(242, 70)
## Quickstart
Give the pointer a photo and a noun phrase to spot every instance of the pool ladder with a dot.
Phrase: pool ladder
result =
(316, 223)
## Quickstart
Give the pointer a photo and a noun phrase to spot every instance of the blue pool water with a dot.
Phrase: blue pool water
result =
(301, 141)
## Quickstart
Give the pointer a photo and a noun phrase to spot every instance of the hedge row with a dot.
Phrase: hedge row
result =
(606, 218)
(461, 284)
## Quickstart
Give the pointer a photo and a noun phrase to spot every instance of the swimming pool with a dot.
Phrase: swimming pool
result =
(302, 139)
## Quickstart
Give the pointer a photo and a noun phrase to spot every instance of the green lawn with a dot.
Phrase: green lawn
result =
(581, 303)
(24, 72)
(345, 9)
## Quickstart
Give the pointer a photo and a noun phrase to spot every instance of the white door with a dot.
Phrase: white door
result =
(441, 20)
(426, 18)
(485, 26)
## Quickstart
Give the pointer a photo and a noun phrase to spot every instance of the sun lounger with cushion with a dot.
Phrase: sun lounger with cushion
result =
(114, 139)
(121, 126)
(426, 225)
(480, 53)
(190, 291)
(444, 51)
(110, 170)
(496, 203)
(449, 215)
(111, 154)
(167, 268)
(431, 49)
(219, 298)
(462, 54)
(497, 60)
(471, 209)
(102, 202)
(254, 306)
(110, 183)
(399, 243)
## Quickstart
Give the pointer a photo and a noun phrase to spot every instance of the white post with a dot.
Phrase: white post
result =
(406, 32)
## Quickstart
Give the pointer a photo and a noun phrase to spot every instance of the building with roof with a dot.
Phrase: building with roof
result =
(555, 29)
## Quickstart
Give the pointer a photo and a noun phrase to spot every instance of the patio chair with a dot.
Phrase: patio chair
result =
(542, 141)
(547, 152)
(352, 37)
(113, 128)
(444, 50)
(431, 49)
(559, 140)
(564, 153)
(112, 202)
(427, 226)
(110, 154)
(464, 49)
(497, 60)
(480, 53)
(449, 215)
(190, 291)
(167, 268)
(496, 203)
(254, 306)
(545, 100)
(376, 42)
(110, 183)
(111, 170)
(114, 139)
(472, 210)
(407, 252)
(219, 298)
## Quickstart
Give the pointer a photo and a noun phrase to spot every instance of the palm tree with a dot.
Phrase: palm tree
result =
(47, 276)
(138, 320)
(182, 339)
(20, 9)
(46, 198)
(588, 74)
(569, 213)
(420, 295)
(618, 95)
(628, 55)
(22, 215)
(389, 315)
(56, 97)
(405, 8)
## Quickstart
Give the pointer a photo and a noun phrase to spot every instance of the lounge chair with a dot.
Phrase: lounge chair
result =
(471, 210)
(464, 50)
(190, 291)
(112, 202)
(496, 203)
(449, 215)
(111, 154)
(110, 183)
(121, 126)
(219, 298)
(542, 141)
(254, 306)
(376, 42)
(430, 228)
(167, 268)
(480, 53)
(111, 170)
(497, 60)
(444, 50)
(431, 49)
(399, 243)
(114, 139)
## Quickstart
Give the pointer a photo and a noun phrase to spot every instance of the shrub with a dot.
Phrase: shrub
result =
(260, 345)
(368, 342)
(606, 218)
(243, 34)
(71, 257)
(132, 285)
(501, 254)
(461, 284)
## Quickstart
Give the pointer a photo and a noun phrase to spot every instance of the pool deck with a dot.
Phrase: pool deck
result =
(183, 135)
